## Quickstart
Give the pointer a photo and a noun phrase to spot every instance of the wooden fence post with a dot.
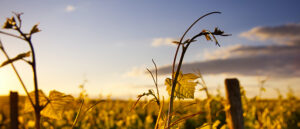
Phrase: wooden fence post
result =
(13, 100)
(234, 114)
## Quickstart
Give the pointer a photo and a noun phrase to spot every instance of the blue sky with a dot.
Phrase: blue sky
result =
(109, 42)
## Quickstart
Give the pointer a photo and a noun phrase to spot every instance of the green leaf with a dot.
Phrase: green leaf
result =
(185, 86)
(58, 102)
(18, 57)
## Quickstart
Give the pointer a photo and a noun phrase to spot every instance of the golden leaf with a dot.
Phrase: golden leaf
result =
(42, 101)
(57, 104)
(185, 86)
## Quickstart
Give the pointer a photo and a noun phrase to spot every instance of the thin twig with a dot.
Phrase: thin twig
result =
(78, 114)
(9, 34)
(156, 83)
(93, 106)
(183, 118)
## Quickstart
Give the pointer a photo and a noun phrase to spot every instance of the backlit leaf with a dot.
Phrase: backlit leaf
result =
(185, 86)
(18, 57)
(58, 102)
(42, 100)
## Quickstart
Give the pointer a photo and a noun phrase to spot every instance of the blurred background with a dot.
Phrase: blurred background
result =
(109, 45)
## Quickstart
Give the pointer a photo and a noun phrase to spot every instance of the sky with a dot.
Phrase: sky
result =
(108, 44)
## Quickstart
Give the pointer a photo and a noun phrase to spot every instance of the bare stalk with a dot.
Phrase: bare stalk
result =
(155, 79)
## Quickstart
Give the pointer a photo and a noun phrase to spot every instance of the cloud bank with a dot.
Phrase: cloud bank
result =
(288, 34)
(279, 60)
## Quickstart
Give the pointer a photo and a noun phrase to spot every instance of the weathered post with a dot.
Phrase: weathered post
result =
(13, 100)
(235, 113)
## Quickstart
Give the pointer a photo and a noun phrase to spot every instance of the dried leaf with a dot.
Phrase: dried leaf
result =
(18, 57)
(175, 42)
(9, 23)
(217, 43)
(35, 29)
(218, 31)
(185, 86)
(206, 35)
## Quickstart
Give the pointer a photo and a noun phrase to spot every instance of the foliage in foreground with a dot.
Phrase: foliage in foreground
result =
(114, 114)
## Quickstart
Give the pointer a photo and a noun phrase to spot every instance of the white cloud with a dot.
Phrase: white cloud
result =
(162, 42)
(136, 72)
(70, 8)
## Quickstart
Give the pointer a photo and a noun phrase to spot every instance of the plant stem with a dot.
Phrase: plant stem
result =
(174, 84)
(182, 37)
(37, 107)
(184, 48)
